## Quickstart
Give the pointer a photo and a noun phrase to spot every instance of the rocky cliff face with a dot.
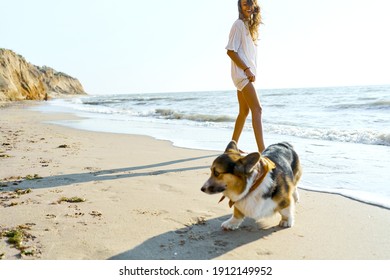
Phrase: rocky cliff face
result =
(20, 80)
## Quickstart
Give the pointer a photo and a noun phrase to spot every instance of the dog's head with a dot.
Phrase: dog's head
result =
(230, 172)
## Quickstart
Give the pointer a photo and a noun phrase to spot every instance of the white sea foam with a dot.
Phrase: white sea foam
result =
(362, 196)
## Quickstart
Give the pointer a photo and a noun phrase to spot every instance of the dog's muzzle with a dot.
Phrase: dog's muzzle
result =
(212, 189)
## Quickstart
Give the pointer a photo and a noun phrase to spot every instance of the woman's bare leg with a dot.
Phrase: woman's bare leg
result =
(250, 96)
(242, 114)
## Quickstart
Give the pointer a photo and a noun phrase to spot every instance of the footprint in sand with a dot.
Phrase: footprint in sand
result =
(75, 215)
(95, 214)
(168, 188)
(264, 252)
(150, 212)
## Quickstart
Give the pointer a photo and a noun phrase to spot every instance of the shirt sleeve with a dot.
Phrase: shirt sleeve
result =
(235, 35)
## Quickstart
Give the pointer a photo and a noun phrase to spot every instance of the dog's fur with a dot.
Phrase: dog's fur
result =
(233, 174)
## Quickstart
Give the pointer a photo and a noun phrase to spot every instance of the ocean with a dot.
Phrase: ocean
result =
(342, 134)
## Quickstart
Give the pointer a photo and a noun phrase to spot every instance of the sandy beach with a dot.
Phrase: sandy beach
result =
(135, 197)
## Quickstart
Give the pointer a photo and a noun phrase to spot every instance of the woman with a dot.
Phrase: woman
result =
(242, 50)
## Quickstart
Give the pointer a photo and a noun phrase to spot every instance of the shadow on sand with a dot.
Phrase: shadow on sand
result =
(105, 175)
(200, 241)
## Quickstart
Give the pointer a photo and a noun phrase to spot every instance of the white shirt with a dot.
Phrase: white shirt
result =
(241, 42)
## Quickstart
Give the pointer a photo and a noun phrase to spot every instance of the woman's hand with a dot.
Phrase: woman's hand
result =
(238, 61)
(251, 77)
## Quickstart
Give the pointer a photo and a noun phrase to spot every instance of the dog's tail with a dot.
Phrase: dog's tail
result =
(297, 170)
(297, 175)
(296, 166)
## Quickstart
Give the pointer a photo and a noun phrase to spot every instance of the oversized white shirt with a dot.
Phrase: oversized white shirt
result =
(240, 41)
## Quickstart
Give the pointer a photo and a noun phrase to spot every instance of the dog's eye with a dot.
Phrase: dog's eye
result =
(216, 173)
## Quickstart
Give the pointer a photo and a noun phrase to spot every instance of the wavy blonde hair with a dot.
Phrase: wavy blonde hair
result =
(255, 20)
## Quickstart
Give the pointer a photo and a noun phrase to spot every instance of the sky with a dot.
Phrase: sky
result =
(139, 46)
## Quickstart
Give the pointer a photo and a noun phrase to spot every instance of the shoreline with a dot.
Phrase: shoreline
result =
(351, 183)
(143, 201)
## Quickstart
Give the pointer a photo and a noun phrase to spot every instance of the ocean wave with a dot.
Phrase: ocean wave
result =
(370, 137)
(135, 100)
(164, 107)
(363, 136)
(177, 98)
(378, 104)
(374, 89)
(381, 103)
(172, 115)
(101, 109)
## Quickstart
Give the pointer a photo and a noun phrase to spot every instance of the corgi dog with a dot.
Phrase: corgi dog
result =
(258, 185)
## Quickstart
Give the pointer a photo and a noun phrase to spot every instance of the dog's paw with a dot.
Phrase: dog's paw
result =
(228, 226)
(231, 224)
(286, 223)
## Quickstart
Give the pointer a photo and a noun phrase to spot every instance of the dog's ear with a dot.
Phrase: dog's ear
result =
(267, 163)
(249, 162)
(231, 146)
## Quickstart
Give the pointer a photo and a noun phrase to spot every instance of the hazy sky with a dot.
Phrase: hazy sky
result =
(135, 46)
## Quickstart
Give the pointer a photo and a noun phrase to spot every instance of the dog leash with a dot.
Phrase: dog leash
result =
(268, 166)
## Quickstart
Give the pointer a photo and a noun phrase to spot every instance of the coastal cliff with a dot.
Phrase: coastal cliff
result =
(21, 80)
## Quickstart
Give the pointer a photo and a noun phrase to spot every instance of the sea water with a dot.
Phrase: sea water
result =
(342, 134)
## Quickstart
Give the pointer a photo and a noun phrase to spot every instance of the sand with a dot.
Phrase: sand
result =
(140, 199)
